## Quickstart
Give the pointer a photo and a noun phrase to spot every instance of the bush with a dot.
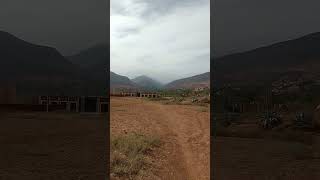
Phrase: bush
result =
(270, 120)
(129, 154)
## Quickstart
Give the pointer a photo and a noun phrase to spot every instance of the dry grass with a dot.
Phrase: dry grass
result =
(129, 155)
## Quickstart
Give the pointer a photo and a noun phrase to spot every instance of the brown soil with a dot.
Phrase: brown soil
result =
(184, 131)
(256, 159)
(41, 146)
(244, 151)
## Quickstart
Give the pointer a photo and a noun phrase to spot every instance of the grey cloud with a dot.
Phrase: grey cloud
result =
(167, 6)
(127, 31)
(165, 40)
(154, 7)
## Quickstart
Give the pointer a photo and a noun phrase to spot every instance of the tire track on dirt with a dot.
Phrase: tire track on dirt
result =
(183, 129)
(192, 138)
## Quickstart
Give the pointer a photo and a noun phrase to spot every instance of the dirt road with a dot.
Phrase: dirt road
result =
(184, 130)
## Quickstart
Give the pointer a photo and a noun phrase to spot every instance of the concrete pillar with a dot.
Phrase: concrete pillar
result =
(68, 106)
(82, 104)
(98, 107)
(78, 105)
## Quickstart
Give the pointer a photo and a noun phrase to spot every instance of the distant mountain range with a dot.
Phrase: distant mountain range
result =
(258, 67)
(201, 80)
(121, 82)
(36, 70)
(40, 69)
(147, 83)
(21, 59)
(262, 66)
(94, 62)
(94, 57)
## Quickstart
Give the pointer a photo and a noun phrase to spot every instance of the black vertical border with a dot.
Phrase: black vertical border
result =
(212, 119)
(107, 126)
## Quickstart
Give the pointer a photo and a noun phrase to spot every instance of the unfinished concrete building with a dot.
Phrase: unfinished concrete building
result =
(77, 104)
(71, 104)
(149, 95)
(129, 94)
(137, 94)
(94, 104)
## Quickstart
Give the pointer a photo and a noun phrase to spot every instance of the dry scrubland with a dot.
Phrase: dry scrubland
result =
(169, 141)
(41, 146)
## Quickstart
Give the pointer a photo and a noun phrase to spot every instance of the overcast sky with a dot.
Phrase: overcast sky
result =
(163, 39)
(240, 25)
(67, 25)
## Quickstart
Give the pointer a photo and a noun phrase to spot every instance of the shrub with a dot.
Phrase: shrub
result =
(129, 154)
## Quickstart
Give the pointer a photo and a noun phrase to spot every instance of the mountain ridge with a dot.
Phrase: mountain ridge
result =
(200, 80)
(147, 82)
(197, 81)
(37, 69)
(265, 64)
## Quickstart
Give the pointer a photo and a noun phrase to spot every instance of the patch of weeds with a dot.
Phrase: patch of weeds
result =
(121, 110)
(203, 104)
(203, 109)
(129, 154)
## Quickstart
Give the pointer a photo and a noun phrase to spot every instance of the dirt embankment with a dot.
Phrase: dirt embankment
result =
(184, 131)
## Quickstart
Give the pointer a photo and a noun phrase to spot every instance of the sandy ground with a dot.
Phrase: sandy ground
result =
(42, 146)
(184, 130)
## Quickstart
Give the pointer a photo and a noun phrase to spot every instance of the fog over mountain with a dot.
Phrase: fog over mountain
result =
(147, 82)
